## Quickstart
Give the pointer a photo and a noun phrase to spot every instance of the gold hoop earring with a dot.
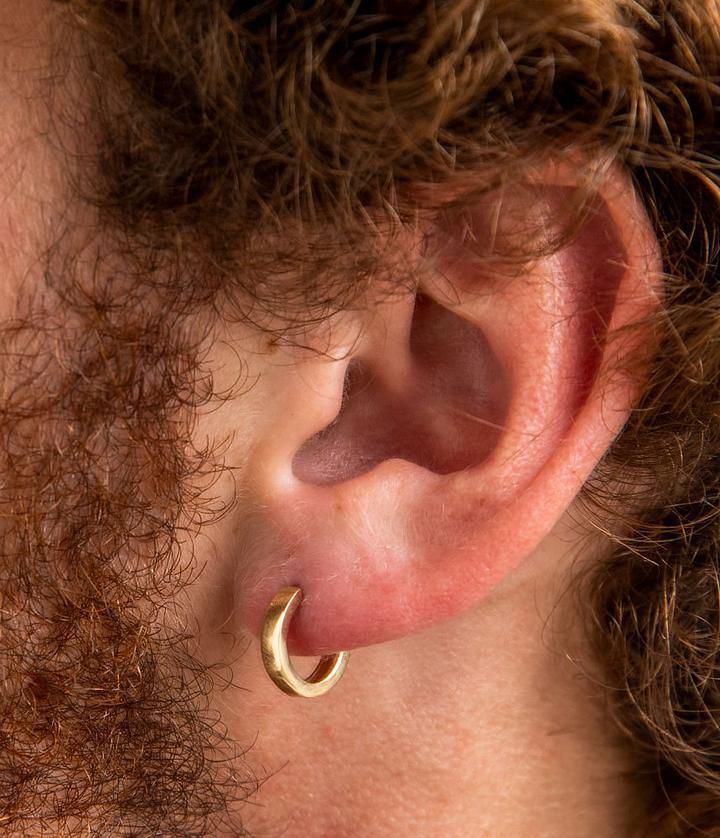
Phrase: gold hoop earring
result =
(275, 655)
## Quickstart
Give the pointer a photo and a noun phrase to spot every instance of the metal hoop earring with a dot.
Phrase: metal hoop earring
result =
(275, 655)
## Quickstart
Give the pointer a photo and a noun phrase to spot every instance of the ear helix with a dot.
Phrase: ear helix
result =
(275, 655)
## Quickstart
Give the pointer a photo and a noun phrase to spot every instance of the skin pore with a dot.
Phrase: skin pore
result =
(491, 722)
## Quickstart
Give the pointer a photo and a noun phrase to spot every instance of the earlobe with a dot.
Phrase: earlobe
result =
(455, 437)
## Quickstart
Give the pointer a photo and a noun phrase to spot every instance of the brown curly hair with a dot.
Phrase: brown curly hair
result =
(218, 124)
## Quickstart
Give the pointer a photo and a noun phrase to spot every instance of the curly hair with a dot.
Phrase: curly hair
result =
(218, 125)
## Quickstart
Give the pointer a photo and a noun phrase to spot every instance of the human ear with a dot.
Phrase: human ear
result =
(399, 482)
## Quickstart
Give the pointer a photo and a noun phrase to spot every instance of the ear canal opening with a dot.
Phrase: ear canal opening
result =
(445, 413)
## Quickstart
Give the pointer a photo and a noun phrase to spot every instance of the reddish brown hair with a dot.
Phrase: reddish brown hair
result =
(220, 125)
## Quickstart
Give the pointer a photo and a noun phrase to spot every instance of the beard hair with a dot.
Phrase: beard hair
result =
(106, 718)
(106, 726)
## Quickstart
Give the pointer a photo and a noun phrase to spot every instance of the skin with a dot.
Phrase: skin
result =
(488, 721)
(486, 725)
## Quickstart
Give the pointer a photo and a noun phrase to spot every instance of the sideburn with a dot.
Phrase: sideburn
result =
(104, 721)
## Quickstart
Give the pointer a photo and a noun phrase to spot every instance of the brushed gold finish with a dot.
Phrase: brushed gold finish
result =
(275, 655)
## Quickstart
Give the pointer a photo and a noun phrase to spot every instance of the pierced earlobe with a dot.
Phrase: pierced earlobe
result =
(275, 655)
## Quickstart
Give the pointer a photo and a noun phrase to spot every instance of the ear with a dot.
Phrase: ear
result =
(398, 484)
